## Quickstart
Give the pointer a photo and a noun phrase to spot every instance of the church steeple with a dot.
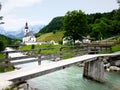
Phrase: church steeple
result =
(26, 29)
(26, 25)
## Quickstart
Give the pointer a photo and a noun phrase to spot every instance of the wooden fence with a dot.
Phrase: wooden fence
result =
(53, 54)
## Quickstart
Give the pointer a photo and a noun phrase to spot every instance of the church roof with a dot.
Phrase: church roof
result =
(29, 34)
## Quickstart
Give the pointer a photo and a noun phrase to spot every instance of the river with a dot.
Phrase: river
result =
(71, 79)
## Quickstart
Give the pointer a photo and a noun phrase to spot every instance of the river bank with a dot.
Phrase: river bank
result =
(21, 86)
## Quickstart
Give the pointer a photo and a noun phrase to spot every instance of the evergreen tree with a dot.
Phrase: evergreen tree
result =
(2, 45)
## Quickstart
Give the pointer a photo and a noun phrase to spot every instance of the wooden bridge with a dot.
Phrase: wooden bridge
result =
(94, 67)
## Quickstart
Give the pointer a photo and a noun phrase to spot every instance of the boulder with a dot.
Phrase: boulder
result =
(114, 68)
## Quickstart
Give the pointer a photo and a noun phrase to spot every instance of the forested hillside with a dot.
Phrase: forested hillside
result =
(55, 24)
(5, 39)
(99, 25)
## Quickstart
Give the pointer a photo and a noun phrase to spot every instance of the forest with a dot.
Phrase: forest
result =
(97, 25)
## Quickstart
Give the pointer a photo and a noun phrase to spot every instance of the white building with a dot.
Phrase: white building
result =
(86, 39)
(28, 35)
(53, 42)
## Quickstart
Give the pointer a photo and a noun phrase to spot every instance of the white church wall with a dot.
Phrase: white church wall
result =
(28, 36)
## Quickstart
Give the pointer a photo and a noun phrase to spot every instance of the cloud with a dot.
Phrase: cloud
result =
(9, 5)
(13, 23)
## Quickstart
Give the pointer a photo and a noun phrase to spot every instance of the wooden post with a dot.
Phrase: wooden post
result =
(110, 49)
(6, 62)
(95, 49)
(106, 48)
(39, 57)
(6, 55)
(87, 48)
(76, 52)
(94, 70)
(61, 53)
(100, 48)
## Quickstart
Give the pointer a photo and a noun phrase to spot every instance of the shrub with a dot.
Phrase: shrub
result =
(33, 46)
(2, 45)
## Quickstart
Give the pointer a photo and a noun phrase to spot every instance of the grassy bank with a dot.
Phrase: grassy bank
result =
(2, 56)
(57, 37)
(3, 69)
(116, 48)
(56, 48)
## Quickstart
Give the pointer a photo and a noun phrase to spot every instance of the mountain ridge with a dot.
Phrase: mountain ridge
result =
(18, 34)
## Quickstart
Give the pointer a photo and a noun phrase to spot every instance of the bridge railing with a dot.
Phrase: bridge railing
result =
(54, 54)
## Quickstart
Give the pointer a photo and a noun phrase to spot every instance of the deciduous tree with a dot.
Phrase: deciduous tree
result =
(75, 24)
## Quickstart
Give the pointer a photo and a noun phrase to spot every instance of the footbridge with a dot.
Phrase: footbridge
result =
(93, 68)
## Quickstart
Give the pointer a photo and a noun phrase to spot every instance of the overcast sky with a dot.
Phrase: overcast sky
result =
(17, 12)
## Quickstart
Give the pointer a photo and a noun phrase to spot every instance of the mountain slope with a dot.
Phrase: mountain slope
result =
(51, 36)
(55, 24)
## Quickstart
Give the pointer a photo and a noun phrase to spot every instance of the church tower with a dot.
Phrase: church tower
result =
(26, 29)
(28, 35)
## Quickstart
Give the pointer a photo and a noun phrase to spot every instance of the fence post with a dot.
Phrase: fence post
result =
(39, 57)
(61, 53)
(110, 49)
(6, 62)
(106, 49)
(100, 49)
(87, 49)
(95, 49)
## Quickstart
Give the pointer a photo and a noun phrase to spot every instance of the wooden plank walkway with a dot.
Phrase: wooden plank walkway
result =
(28, 73)
(43, 69)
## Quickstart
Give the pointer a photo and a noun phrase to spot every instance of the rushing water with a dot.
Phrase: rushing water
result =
(71, 79)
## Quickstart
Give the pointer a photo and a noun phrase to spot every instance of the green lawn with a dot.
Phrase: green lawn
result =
(3, 69)
(56, 48)
(2, 56)
(116, 48)
(66, 51)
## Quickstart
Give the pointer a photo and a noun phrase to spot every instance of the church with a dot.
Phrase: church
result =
(28, 35)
